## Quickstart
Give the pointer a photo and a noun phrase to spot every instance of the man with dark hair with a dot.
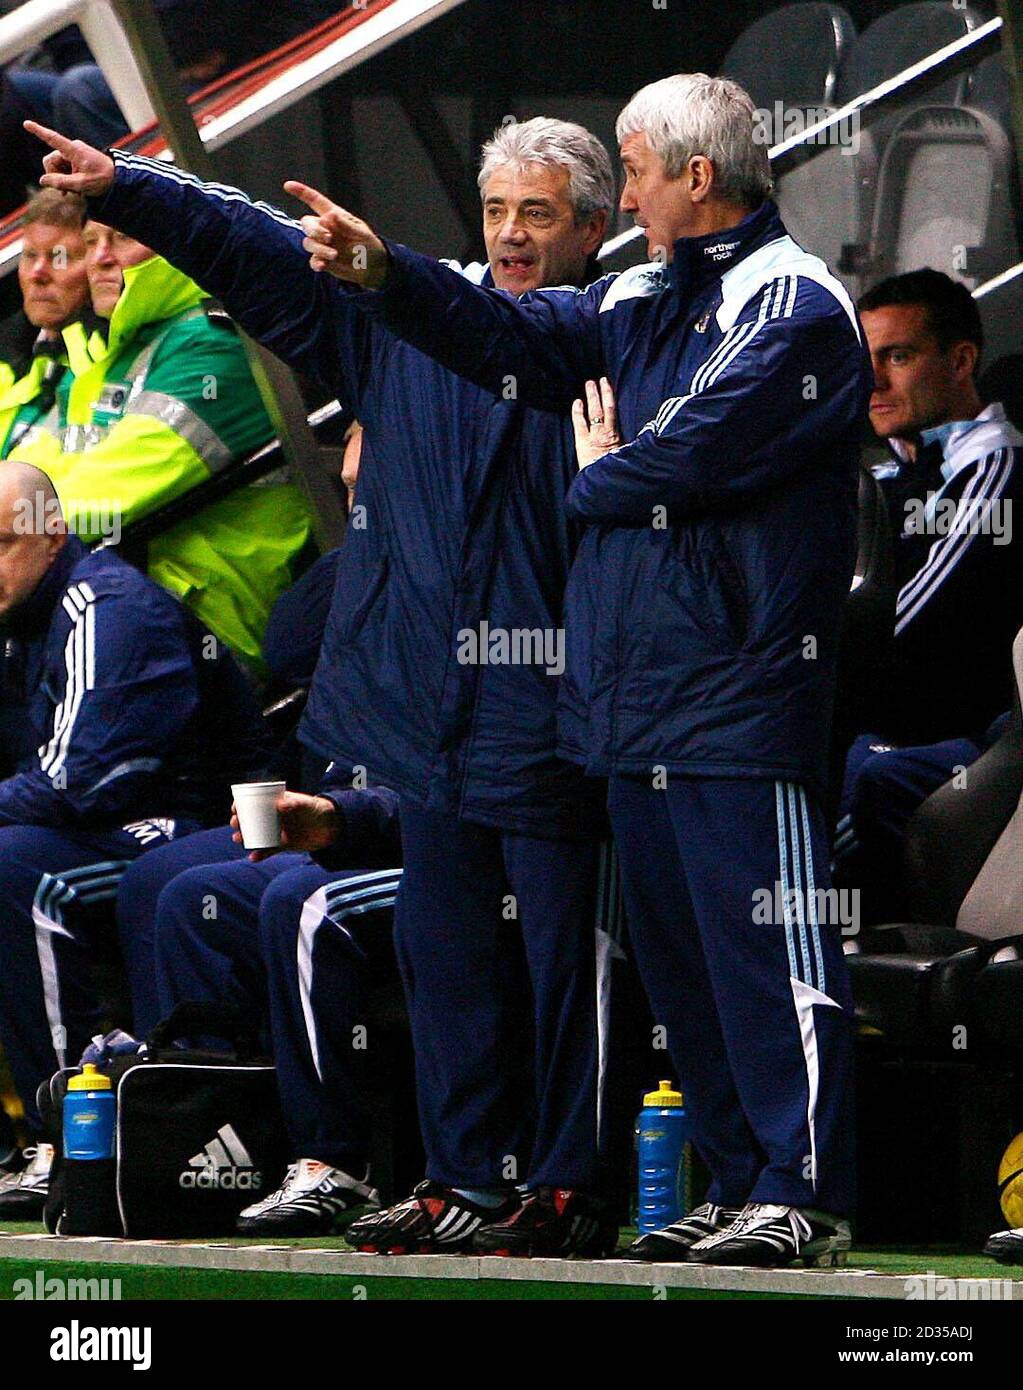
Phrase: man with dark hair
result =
(951, 310)
(953, 478)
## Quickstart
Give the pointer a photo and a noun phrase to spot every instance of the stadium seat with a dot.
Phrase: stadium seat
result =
(942, 997)
(945, 197)
(903, 37)
(935, 174)
(997, 998)
(915, 979)
(794, 56)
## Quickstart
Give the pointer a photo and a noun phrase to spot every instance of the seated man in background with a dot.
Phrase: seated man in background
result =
(142, 722)
(54, 293)
(297, 941)
(166, 401)
(294, 636)
(952, 485)
(201, 922)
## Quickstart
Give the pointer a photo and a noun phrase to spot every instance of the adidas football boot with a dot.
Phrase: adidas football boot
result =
(672, 1243)
(552, 1221)
(313, 1200)
(769, 1236)
(1006, 1246)
(434, 1220)
(23, 1195)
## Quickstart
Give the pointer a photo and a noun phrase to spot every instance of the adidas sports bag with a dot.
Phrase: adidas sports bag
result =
(199, 1136)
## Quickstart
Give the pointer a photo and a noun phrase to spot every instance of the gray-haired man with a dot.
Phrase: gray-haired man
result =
(438, 676)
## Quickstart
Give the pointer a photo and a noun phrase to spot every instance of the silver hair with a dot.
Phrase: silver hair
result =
(691, 114)
(546, 141)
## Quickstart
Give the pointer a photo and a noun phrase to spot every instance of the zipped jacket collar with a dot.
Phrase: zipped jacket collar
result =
(699, 261)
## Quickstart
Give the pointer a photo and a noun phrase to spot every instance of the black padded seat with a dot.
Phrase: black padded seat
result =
(792, 55)
(997, 998)
(914, 982)
(915, 999)
(793, 58)
(905, 36)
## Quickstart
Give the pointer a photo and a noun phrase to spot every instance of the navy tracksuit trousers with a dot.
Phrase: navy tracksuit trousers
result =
(882, 788)
(300, 945)
(471, 898)
(56, 888)
(725, 881)
(140, 888)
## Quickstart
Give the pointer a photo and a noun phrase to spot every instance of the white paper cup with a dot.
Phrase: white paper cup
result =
(256, 805)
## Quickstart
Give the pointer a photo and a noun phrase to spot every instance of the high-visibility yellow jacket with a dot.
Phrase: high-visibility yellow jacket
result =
(162, 404)
(22, 407)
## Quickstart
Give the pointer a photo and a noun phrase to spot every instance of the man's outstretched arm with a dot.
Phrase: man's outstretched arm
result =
(246, 254)
(538, 349)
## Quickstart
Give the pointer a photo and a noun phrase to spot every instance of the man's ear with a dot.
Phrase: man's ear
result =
(56, 539)
(965, 356)
(700, 175)
(595, 232)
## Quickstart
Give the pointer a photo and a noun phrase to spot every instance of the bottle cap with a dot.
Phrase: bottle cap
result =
(91, 1079)
(664, 1098)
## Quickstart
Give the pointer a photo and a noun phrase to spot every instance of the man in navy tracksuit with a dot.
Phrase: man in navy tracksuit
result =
(142, 723)
(288, 938)
(702, 616)
(952, 482)
(296, 940)
(439, 679)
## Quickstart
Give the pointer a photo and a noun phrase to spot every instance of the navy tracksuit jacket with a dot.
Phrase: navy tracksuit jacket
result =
(703, 614)
(459, 521)
(141, 727)
(959, 607)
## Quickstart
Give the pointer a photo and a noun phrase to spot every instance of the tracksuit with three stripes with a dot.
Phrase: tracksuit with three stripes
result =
(959, 606)
(141, 725)
(461, 535)
(702, 620)
(295, 944)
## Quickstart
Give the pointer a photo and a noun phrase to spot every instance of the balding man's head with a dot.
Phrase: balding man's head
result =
(32, 531)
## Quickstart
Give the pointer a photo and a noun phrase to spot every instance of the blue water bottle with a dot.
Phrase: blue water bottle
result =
(89, 1109)
(664, 1159)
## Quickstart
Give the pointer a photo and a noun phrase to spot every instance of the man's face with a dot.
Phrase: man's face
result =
(916, 382)
(52, 275)
(530, 229)
(30, 539)
(108, 254)
(659, 204)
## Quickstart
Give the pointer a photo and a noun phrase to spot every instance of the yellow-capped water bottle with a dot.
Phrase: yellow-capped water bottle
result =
(664, 1159)
(89, 1110)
